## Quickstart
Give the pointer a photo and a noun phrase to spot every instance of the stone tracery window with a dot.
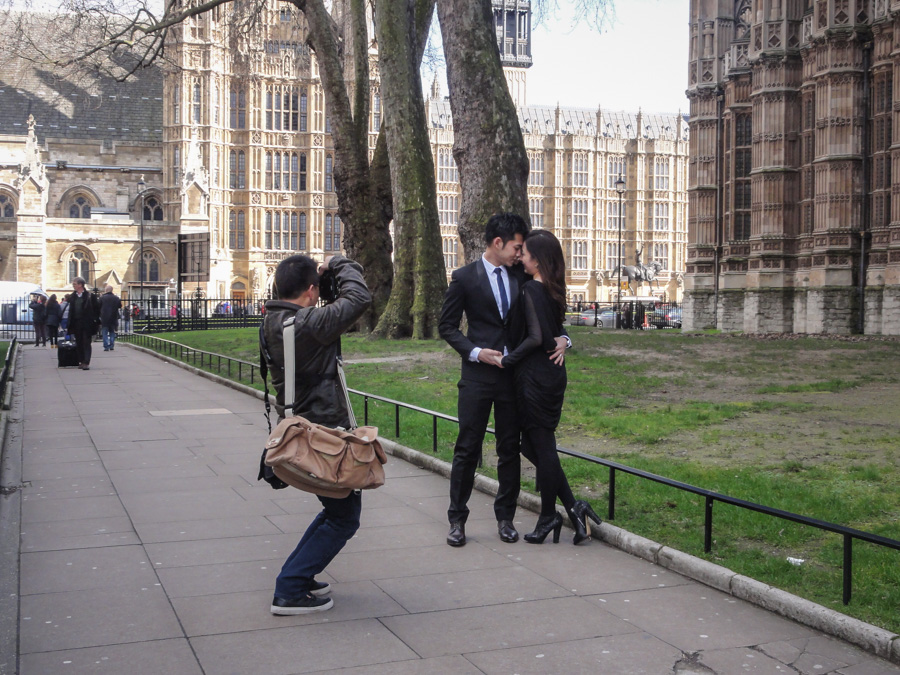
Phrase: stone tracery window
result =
(536, 211)
(150, 266)
(447, 171)
(7, 209)
(152, 209)
(329, 173)
(283, 108)
(80, 208)
(578, 170)
(616, 169)
(742, 14)
(661, 255)
(332, 233)
(238, 109)
(78, 265)
(579, 255)
(536, 168)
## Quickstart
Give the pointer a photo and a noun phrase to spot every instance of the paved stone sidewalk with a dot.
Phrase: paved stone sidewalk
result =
(147, 546)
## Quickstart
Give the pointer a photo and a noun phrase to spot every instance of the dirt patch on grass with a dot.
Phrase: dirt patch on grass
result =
(856, 425)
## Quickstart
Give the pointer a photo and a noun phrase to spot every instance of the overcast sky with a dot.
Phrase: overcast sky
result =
(641, 60)
(638, 61)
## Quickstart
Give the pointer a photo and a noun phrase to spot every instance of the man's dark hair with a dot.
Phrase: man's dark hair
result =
(294, 275)
(506, 226)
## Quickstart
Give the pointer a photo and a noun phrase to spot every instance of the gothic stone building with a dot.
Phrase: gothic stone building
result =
(231, 137)
(792, 223)
(576, 156)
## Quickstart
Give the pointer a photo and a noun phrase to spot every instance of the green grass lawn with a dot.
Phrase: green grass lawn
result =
(805, 425)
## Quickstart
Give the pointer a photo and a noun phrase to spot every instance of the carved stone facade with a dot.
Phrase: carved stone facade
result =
(792, 224)
(232, 137)
(576, 156)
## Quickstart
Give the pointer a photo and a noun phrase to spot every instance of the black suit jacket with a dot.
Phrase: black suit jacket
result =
(470, 293)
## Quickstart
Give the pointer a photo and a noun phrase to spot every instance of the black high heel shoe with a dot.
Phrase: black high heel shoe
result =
(544, 526)
(583, 511)
(578, 524)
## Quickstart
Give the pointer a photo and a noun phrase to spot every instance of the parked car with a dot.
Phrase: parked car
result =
(666, 318)
(602, 318)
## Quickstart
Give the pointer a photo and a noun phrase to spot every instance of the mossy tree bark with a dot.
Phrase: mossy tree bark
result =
(488, 146)
(413, 309)
(363, 188)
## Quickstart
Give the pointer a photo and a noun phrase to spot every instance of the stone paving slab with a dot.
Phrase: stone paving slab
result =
(301, 649)
(138, 658)
(148, 546)
(626, 654)
(85, 533)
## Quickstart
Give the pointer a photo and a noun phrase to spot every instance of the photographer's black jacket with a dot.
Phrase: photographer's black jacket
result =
(317, 335)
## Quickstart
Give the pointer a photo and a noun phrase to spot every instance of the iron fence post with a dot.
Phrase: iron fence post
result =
(434, 434)
(848, 568)
(611, 509)
(707, 525)
(397, 421)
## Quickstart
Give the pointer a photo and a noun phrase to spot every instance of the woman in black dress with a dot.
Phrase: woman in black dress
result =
(541, 383)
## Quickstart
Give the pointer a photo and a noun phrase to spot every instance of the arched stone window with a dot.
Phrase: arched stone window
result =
(79, 265)
(151, 266)
(152, 209)
(329, 173)
(80, 208)
(7, 208)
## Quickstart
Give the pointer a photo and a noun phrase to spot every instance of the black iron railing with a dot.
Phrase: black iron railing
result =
(710, 497)
(232, 366)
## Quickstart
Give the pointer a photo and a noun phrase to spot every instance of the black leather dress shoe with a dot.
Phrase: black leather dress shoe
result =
(457, 534)
(507, 531)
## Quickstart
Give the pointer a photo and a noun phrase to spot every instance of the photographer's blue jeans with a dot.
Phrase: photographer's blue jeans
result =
(109, 337)
(324, 538)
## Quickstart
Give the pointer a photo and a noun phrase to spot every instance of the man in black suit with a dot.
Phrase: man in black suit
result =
(485, 291)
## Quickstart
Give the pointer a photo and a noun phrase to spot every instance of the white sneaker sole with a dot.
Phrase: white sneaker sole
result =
(321, 591)
(293, 611)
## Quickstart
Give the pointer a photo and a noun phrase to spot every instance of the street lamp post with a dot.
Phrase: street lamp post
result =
(620, 188)
(141, 187)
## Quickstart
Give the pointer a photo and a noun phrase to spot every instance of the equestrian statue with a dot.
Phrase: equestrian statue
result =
(639, 272)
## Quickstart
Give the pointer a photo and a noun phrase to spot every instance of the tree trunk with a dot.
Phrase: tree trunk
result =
(488, 145)
(363, 189)
(419, 275)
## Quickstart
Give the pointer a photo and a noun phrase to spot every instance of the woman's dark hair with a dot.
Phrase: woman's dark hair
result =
(51, 303)
(547, 251)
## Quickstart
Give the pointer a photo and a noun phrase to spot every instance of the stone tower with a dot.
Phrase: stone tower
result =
(512, 22)
(790, 182)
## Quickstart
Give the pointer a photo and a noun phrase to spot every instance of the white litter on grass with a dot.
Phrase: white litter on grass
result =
(796, 561)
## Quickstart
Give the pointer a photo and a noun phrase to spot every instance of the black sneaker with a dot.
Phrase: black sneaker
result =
(304, 605)
(320, 588)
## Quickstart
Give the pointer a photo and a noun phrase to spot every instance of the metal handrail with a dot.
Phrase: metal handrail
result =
(710, 497)
(171, 347)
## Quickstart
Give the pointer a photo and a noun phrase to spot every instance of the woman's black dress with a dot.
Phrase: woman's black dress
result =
(540, 383)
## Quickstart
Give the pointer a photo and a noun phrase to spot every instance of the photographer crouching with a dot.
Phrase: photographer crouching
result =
(299, 280)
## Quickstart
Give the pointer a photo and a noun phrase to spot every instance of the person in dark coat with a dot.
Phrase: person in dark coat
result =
(110, 304)
(39, 319)
(54, 316)
(319, 398)
(84, 319)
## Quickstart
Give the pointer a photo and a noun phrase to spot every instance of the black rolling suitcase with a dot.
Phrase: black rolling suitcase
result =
(68, 357)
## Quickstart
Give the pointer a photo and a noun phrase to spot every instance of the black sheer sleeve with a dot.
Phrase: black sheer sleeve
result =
(533, 334)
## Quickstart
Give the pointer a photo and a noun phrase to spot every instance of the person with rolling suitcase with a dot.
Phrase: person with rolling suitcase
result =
(84, 319)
